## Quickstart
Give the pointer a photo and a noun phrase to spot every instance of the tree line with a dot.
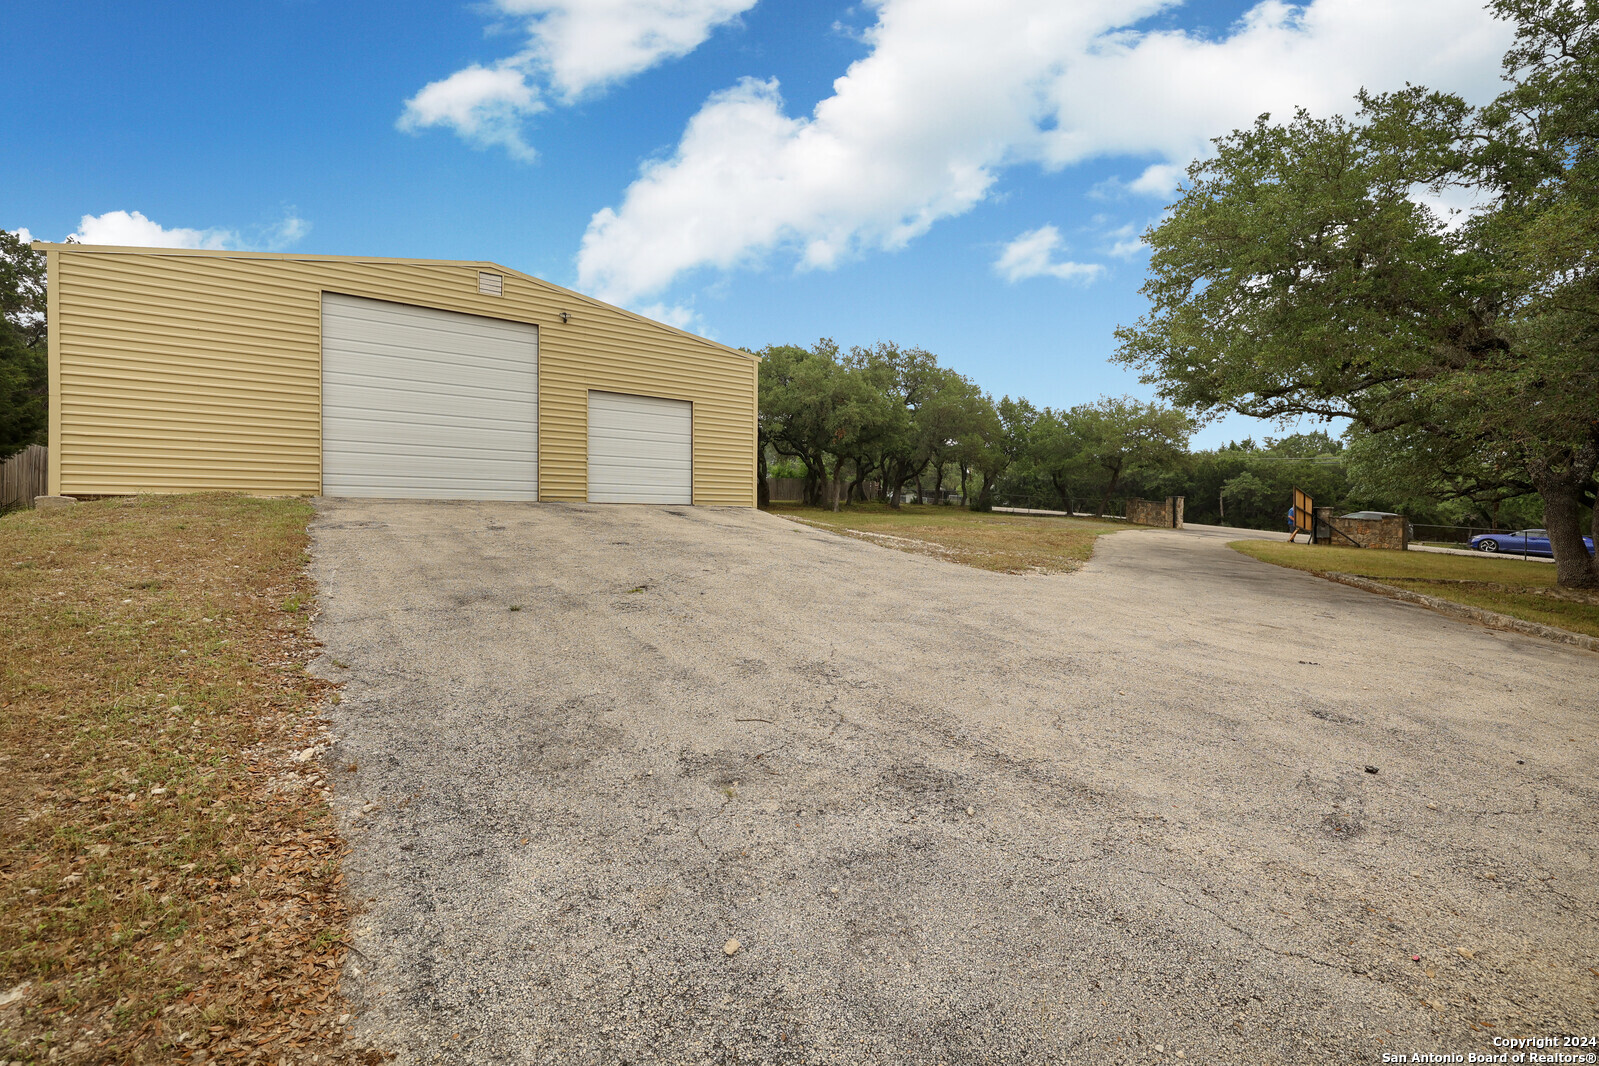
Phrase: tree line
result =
(894, 418)
(887, 423)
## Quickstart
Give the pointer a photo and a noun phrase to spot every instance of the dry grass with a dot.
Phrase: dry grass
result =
(1009, 543)
(169, 875)
(1524, 590)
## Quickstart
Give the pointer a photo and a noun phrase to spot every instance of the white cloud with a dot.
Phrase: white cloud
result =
(587, 44)
(574, 47)
(486, 107)
(1031, 255)
(952, 94)
(1170, 92)
(1126, 242)
(132, 229)
(1158, 180)
(23, 235)
(283, 234)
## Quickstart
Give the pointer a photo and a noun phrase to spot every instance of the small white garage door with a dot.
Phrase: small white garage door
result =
(424, 404)
(641, 449)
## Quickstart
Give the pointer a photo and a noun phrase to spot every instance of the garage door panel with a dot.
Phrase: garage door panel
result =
(425, 471)
(436, 450)
(419, 403)
(641, 449)
(657, 466)
(366, 356)
(394, 487)
(422, 407)
(402, 324)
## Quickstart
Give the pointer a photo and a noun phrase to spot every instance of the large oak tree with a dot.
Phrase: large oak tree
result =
(1302, 272)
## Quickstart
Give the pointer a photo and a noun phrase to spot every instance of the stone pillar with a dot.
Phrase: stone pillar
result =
(1321, 518)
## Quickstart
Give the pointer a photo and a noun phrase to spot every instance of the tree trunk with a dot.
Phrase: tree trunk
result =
(1104, 501)
(855, 491)
(837, 482)
(1060, 490)
(897, 486)
(985, 493)
(1562, 517)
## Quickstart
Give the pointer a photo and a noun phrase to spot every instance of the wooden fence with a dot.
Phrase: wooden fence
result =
(792, 489)
(786, 489)
(23, 476)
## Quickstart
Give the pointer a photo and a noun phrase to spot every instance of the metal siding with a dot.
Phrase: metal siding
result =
(641, 449)
(419, 403)
(182, 370)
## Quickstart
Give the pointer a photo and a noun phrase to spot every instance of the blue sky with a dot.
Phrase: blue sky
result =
(968, 181)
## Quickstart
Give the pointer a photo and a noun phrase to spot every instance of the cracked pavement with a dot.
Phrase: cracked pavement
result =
(948, 815)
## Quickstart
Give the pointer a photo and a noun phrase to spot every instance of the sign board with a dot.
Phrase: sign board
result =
(1303, 514)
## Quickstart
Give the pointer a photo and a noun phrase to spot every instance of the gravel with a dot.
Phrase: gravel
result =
(941, 815)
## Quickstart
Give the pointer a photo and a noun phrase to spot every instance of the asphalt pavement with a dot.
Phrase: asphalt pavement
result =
(631, 784)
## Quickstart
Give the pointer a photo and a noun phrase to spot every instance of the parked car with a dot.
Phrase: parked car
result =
(1521, 542)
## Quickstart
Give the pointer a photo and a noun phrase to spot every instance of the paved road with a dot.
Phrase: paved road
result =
(949, 816)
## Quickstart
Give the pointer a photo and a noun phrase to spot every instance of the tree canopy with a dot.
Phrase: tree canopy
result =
(1303, 273)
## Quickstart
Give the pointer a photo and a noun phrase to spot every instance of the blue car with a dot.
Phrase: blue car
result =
(1521, 542)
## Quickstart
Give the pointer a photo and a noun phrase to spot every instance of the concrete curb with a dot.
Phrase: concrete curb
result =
(1492, 619)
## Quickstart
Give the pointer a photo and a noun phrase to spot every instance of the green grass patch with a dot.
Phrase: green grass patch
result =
(1524, 590)
(167, 881)
(1008, 543)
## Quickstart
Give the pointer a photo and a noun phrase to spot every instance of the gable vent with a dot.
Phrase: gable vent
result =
(491, 284)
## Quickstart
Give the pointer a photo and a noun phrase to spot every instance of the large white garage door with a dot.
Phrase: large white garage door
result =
(424, 404)
(641, 449)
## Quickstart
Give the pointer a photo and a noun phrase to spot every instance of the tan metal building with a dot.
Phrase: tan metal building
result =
(174, 370)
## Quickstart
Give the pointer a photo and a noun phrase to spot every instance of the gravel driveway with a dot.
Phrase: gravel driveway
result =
(947, 815)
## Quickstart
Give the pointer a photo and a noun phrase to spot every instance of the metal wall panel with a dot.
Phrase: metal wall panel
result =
(424, 404)
(641, 449)
(183, 370)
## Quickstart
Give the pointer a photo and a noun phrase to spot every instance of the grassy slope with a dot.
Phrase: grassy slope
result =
(168, 878)
(1524, 590)
(1009, 543)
